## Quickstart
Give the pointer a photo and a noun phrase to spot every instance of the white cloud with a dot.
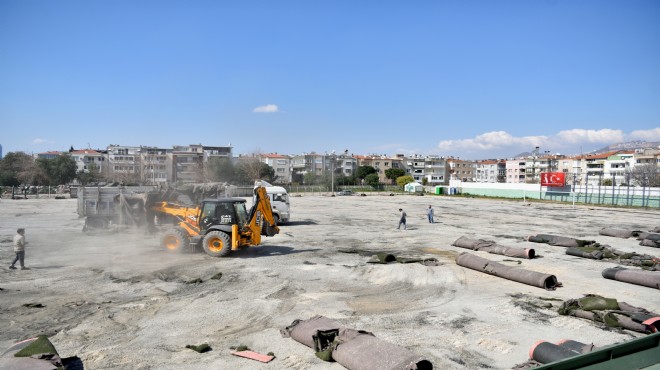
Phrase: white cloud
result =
(493, 140)
(503, 143)
(268, 108)
(604, 136)
(39, 141)
(646, 135)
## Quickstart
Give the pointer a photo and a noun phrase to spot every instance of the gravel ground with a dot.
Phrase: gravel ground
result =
(117, 300)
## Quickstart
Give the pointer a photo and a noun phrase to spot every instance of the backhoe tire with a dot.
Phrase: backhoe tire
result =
(175, 241)
(217, 244)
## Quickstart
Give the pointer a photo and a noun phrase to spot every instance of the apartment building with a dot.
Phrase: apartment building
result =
(123, 164)
(515, 171)
(461, 170)
(281, 164)
(88, 158)
(155, 165)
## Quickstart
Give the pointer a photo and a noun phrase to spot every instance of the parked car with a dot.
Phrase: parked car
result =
(345, 192)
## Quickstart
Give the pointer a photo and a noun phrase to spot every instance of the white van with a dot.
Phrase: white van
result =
(279, 201)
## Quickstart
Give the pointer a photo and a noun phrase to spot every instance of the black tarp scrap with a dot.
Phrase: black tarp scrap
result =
(379, 257)
(611, 313)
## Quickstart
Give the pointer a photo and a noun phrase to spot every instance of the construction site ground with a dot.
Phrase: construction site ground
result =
(118, 301)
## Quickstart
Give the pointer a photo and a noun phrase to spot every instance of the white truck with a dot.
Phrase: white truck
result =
(279, 201)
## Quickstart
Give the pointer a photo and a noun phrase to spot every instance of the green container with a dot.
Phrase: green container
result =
(438, 190)
(640, 353)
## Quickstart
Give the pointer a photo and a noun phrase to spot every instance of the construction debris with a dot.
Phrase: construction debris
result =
(254, 356)
(493, 248)
(353, 349)
(645, 261)
(201, 348)
(560, 241)
(611, 313)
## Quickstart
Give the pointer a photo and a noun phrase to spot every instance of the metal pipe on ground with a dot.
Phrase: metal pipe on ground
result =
(649, 279)
(537, 279)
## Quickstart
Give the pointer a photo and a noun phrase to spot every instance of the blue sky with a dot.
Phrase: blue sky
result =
(473, 79)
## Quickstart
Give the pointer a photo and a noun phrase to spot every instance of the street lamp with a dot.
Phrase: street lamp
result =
(535, 154)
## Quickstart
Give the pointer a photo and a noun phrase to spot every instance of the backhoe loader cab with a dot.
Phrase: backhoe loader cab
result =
(219, 225)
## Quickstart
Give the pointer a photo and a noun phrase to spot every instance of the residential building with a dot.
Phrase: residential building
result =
(515, 171)
(124, 164)
(281, 164)
(489, 170)
(155, 165)
(49, 155)
(187, 163)
(88, 158)
(462, 170)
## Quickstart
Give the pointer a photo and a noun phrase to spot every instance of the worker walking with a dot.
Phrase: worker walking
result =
(429, 213)
(19, 249)
(402, 220)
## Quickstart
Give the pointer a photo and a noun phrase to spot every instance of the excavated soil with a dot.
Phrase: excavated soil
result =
(118, 301)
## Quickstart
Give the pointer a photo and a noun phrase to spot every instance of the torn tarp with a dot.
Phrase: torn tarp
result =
(619, 233)
(353, 349)
(493, 248)
(561, 241)
(650, 243)
(538, 279)
(649, 279)
(612, 313)
(361, 350)
(605, 252)
(649, 236)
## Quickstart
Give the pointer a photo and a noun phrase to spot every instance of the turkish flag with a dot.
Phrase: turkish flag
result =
(553, 179)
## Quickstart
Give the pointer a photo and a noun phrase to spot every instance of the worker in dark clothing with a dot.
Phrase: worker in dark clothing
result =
(402, 220)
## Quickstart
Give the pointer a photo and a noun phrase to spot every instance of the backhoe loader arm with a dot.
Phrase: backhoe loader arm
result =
(262, 207)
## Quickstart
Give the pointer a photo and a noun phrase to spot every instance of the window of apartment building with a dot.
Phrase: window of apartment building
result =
(281, 161)
(279, 169)
(418, 171)
(387, 164)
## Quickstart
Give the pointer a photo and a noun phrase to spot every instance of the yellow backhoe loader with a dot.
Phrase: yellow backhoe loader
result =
(219, 225)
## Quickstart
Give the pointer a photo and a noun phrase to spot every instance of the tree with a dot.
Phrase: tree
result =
(60, 170)
(403, 180)
(92, 176)
(12, 166)
(251, 169)
(363, 171)
(645, 175)
(309, 178)
(372, 180)
(606, 182)
(394, 173)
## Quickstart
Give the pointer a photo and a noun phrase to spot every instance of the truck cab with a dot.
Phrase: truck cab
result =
(279, 201)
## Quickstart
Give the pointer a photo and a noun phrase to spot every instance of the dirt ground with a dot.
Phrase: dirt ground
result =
(118, 301)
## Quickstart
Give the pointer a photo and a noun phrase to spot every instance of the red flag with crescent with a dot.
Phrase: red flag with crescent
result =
(553, 179)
